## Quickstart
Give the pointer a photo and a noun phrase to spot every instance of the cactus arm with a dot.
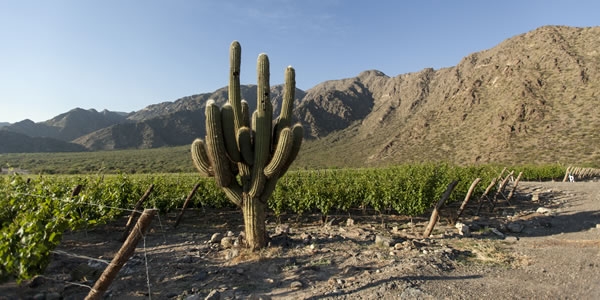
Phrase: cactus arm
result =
(245, 114)
(262, 117)
(245, 143)
(289, 93)
(282, 152)
(298, 134)
(227, 122)
(215, 145)
(235, 94)
(200, 158)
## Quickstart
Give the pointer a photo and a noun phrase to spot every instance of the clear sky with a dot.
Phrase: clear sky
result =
(123, 55)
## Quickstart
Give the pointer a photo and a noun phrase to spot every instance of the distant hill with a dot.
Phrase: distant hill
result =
(11, 142)
(534, 98)
(2, 124)
(69, 125)
(169, 123)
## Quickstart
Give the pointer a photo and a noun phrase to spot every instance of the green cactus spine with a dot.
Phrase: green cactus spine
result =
(247, 155)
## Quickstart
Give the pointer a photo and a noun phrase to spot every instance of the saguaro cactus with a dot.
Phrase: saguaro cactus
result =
(247, 155)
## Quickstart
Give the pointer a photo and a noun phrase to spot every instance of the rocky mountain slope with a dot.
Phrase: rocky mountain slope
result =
(532, 98)
(169, 123)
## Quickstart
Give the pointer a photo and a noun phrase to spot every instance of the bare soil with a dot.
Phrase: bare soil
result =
(514, 251)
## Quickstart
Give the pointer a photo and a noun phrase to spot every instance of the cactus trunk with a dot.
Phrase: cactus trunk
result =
(248, 155)
(254, 211)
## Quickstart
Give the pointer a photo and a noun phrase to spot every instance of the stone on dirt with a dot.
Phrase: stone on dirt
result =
(350, 222)
(383, 241)
(227, 242)
(543, 210)
(296, 285)
(216, 238)
(463, 229)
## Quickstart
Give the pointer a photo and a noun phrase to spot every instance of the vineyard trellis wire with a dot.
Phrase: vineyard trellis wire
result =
(35, 211)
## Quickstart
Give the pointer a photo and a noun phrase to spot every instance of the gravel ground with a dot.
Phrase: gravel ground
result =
(545, 243)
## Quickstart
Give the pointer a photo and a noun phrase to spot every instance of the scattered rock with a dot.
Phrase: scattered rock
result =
(296, 285)
(399, 246)
(227, 242)
(535, 197)
(543, 210)
(350, 222)
(383, 241)
(511, 239)
(216, 238)
(463, 229)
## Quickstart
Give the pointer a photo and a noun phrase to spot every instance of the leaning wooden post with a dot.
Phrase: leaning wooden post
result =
(512, 191)
(438, 206)
(122, 256)
(464, 203)
(185, 204)
(501, 173)
(567, 174)
(500, 189)
(487, 190)
(135, 212)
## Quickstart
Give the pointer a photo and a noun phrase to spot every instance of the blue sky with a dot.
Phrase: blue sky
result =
(124, 55)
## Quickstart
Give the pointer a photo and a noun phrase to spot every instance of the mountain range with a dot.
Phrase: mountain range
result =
(533, 98)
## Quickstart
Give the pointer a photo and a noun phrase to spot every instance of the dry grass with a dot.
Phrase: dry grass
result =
(490, 252)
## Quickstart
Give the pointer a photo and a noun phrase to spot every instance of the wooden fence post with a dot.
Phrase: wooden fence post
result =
(567, 174)
(501, 189)
(487, 190)
(122, 256)
(135, 212)
(464, 203)
(185, 204)
(514, 188)
(438, 206)
(501, 173)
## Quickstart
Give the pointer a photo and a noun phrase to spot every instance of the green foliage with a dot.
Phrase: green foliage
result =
(541, 173)
(36, 211)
